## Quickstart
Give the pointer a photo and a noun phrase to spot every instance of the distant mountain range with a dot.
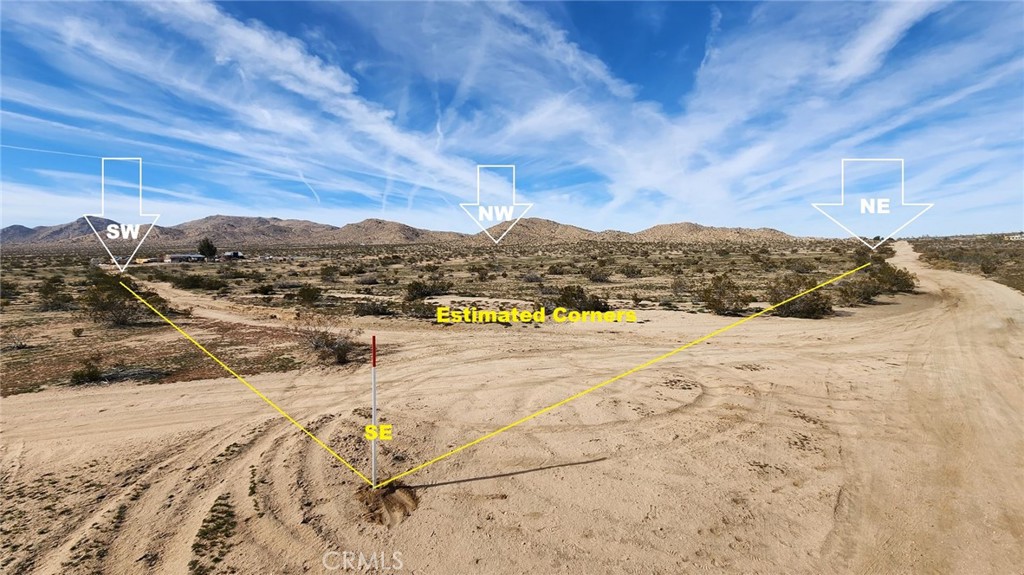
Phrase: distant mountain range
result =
(238, 232)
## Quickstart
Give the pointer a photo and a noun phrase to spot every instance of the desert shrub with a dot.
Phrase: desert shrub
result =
(557, 270)
(9, 289)
(107, 301)
(892, 279)
(724, 296)
(631, 271)
(371, 308)
(858, 290)
(309, 295)
(419, 309)
(679, 285)
(576, 298)
(597, 274)
(988, 265)
(861, 255)
(232, 271)
(814, 305)
(532, 278)
(801, 266)
(329, 273)
(90, 372)
(52, 296)
(263, 289)
(77, 331)
(14, 340)
(885, 250)
(194, 281)
(367, 280)
(327, 341)
(420, 289)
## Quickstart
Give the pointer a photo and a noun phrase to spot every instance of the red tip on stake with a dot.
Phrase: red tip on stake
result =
(373, 350)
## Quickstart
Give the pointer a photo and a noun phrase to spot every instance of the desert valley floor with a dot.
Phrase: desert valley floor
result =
(888, 439)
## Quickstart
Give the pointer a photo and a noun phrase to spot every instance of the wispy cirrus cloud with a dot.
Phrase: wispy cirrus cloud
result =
(385, 109)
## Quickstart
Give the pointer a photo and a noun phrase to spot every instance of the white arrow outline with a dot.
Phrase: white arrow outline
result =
(842, 199)
(465, 207)
(103, 209)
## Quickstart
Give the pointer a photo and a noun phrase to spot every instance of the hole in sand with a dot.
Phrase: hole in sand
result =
(388, 505)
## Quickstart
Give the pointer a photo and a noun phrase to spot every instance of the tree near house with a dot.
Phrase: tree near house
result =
(207, 248)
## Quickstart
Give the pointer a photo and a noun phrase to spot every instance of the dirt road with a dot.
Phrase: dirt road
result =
(934, 471)
(888, 439)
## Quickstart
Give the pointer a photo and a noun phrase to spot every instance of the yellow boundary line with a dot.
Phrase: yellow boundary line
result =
(249, 385)
(533, 415)
(620, 376)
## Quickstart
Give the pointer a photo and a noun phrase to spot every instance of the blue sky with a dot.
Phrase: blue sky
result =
(617, 115)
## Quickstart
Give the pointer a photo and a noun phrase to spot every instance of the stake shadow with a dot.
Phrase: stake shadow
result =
(509, 474)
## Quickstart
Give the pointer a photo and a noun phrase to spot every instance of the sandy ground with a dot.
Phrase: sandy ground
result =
(889, 439)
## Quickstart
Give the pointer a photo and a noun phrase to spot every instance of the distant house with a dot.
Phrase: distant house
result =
(180, 258)
(232, 256)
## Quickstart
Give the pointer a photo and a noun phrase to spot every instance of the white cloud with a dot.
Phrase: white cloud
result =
(867, 51)
(777, 101)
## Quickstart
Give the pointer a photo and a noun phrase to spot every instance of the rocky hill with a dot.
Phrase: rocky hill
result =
(238, 232)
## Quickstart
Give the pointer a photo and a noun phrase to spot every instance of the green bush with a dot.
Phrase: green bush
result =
(90, 372)
(52, 296)
(107, 301)
(597, 274)
(801, 266)
(723, 296)
(814, 305)
(576, 298)
(892, 279)
(418, 289)
(192, 281)
(858, 290)
(9, 289)
(309, 295)
(419, 309)
(631, 271)
(372, 308)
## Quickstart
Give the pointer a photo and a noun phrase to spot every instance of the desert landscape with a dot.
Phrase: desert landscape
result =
(511, 287)
(884, 438)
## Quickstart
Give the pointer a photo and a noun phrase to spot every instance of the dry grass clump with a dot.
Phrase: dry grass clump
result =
(327, 340)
